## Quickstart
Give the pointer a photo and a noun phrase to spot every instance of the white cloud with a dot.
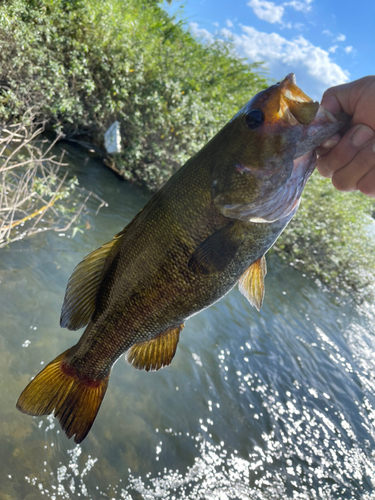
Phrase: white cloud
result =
(267, 11)
(313, 66)
(229, 23)
(340, 38)
(333, 49)
(302, 6)
(349, 49)
(201, 32)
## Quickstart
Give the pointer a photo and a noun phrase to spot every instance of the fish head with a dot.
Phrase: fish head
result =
(266, 153)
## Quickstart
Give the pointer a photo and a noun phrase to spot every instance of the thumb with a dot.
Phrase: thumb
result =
(345, 97)
(337, 99)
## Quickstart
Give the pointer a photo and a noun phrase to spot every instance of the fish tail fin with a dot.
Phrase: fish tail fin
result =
(75, 400)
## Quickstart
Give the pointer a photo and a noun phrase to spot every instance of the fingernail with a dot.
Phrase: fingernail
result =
(362, 135)
(329, 143)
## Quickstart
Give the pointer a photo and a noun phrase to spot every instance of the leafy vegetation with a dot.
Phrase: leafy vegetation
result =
(80, 65)
(333, 236)
(85, 64)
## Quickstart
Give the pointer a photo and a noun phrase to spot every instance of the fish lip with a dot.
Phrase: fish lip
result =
(323, 113)
(322, 118)
(286, 89)
(296, 108)
(292, 78)
(289, 79)
(321, 128)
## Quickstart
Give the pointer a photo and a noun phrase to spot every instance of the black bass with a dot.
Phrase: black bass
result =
(207, 229)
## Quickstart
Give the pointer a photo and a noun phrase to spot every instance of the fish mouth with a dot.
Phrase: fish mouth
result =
(318, 130)
(296, 109)
(284, 201)
(295, 106)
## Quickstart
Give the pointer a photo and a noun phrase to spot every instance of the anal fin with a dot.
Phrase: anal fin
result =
(251, 283)
(155, 353)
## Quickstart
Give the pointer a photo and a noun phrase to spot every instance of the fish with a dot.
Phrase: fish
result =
(207, 229)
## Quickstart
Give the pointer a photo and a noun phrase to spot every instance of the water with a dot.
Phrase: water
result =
(270, 405)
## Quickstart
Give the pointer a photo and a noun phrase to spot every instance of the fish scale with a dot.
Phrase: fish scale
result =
(207, 228)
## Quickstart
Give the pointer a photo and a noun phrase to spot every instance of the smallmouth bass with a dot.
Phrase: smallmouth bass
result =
(207, 229)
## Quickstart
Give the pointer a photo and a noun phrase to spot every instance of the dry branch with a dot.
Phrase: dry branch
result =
(34, 195)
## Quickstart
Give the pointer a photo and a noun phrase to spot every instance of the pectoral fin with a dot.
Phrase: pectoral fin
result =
(251, 283)
(156, 353)
(216, 252)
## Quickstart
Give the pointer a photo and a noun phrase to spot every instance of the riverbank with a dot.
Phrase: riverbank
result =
(82, 65)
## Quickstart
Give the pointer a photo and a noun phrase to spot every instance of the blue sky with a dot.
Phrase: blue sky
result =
(324, 42)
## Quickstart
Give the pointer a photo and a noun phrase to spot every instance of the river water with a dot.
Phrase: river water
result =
(270, 405)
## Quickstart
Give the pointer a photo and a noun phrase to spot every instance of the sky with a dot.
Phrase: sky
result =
(324, 42)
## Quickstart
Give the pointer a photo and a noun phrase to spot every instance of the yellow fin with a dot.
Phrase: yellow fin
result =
(156, 353)
(251, 283)
(83, 286)
(75, 400)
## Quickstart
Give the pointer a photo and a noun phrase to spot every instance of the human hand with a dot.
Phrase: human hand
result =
(350, 160)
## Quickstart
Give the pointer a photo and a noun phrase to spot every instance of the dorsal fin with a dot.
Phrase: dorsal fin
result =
(251, 283)
(155, 353)
(83, 285)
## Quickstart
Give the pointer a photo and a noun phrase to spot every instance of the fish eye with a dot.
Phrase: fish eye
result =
(254, 118)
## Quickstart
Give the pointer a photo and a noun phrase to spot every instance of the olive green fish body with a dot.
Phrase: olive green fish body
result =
(152, 285)
(207, 229)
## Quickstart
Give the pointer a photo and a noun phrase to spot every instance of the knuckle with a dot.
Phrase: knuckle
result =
(325, 167)
(342, 183)
(328, 92)
(324, 172)
(366, 187)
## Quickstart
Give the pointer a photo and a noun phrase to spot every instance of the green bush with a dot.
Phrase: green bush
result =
(85, 64)
(333, 236)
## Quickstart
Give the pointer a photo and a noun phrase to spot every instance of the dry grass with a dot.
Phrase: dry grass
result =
(34, 194)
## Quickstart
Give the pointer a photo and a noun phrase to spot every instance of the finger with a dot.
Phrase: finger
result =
(346, 96)
(345, 150)
(331, 102)
(331, 141)
(328, 144)
(350, 177)
(367, 184)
